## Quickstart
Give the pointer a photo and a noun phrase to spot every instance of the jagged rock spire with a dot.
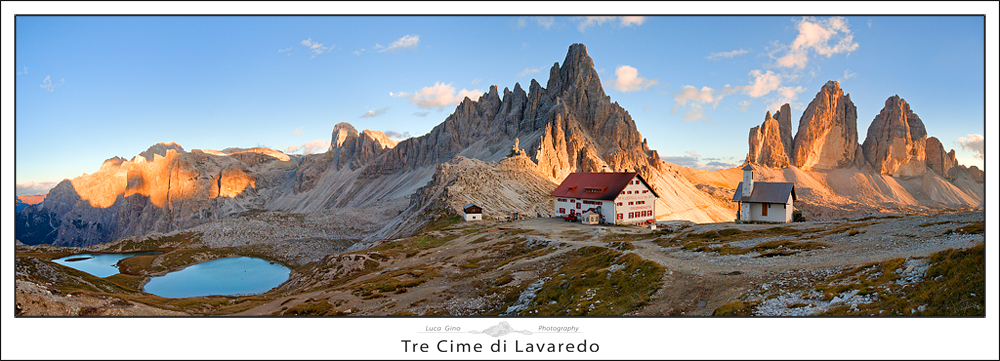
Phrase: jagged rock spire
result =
(896, 140)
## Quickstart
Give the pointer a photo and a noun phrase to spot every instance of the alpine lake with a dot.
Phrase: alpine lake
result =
(234, 276)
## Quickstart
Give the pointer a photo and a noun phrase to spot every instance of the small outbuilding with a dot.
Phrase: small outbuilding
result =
(764, 201)
(590, 217)
(473, 212)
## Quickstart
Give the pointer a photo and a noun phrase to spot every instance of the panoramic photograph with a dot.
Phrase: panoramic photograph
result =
(489, 166)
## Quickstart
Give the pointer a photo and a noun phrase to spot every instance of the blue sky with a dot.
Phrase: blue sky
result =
(89, 88)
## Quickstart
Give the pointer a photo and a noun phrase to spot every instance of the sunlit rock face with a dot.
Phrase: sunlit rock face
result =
(161, 189)
(896, 140)
(784, 118)
(936, 158)
(767, 145)
(828, 136)
(349, 148)
(946, 165)
(570, 125)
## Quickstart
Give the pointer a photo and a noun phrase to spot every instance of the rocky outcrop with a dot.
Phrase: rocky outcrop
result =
(937, 160)
(828, 136)
(784, 118)
(571, 125)
(767, 143)
(896, 140)
(351, 149)
(500, 188)
(174, 190)
(946, 165)
(160, 149)
(310, 169)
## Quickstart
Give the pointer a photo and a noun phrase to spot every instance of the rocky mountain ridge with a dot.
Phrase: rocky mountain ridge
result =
(897, 163)
(534, 138)
(896, 144)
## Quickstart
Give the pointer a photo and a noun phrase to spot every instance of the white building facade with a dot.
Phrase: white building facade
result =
(764, 201)
(620, 198)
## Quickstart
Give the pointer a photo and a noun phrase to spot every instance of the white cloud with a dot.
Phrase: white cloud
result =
(527, 71)
(542, 21)
(476, 81)
(727, 54)
(298, 131)
(744, 105)
(421, 114)
(623, 21)
(824, 37)
(32, 188)
(24, 71)
(315, 47)
(310, 147)
(627, 21)
(406, 42)
(762, 83)
(974, 143)
(693, 160)
(717, 165)
(628, 79)
(691, 94)
(374, 113)
(359, 51)
(397, 135)
(849, 74)
(49, 86)
(438, 96)
(589, 21)
(545, 21)
(684, 161)
(284, 50)
(697, 97)
(786, 94)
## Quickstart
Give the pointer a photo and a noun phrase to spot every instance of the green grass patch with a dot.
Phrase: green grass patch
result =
(600, 282)
(628, 237)
(397, 281)
(975, 228)
(411, 246)
(309, 308)
(717, 241)
(785, 247)
(955, 285)
(178, 240)
(621, 245)
(737, 308)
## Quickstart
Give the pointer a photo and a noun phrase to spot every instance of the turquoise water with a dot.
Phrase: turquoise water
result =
(237, 276)
(98, 264)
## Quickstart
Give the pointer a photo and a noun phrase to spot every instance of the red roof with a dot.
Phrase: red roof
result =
(603, 186)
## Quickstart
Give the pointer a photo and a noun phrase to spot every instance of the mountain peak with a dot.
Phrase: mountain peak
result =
(576, 73)
(161, 148)
(896, 140)
(341, 133)
(827, 137)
